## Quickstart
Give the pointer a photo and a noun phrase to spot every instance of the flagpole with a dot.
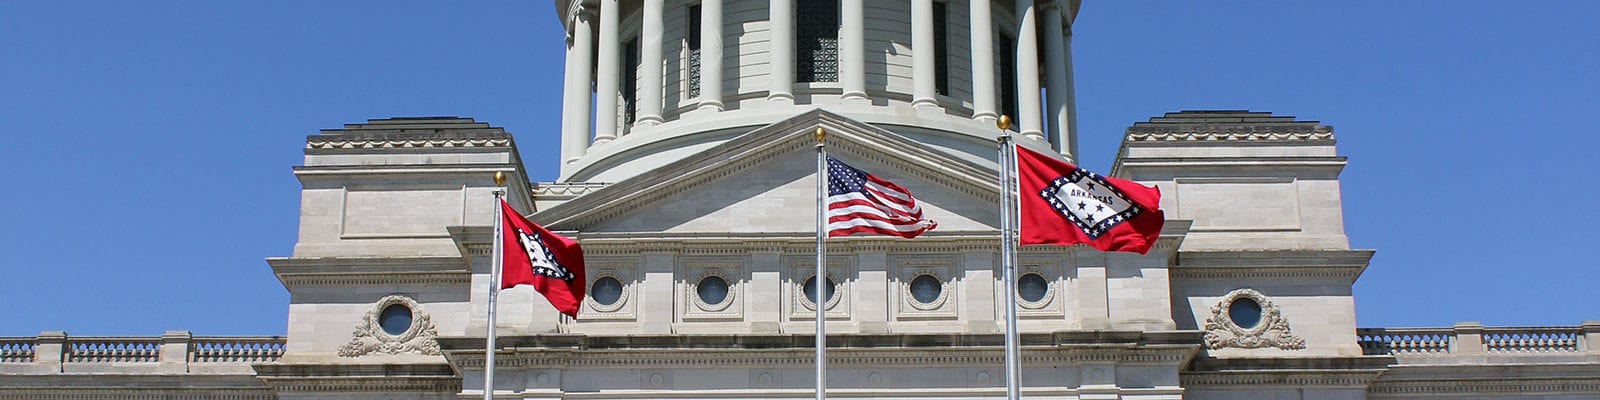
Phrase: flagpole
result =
(1008, 257)
(494, 284)
(821, 276)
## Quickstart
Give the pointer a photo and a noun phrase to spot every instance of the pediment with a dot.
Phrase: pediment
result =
(764, 181)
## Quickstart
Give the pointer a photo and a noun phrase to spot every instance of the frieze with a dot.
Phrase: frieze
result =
(1227, 136)
(556, 358)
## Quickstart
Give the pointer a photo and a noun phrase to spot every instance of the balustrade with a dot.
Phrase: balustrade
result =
(17, 349)
(1470, 338)
(178, 348)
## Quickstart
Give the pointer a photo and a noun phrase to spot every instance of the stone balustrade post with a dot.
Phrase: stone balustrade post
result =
(50, 350)
(174, 351)
(1468, 338)
(1590, 338)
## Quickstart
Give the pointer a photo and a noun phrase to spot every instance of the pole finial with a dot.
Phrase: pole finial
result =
(1004, 122)
(819, 134)
(499, 178)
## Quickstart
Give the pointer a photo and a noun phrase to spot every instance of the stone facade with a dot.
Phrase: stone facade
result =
(1247, 293)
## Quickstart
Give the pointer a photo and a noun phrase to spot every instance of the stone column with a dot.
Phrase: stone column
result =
(711, 54)
(1029, 119)
(923, 93)
(650, 65)
(1070, 127)
(780, 25)
(983, 77)
(1057, 88)
(853, 49)
(607, 77)
(575, 90)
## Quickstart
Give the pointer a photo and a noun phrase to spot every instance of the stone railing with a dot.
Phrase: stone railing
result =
(175, 351)
(1472, 338)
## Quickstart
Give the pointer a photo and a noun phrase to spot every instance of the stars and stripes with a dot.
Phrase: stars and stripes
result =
(861, 203)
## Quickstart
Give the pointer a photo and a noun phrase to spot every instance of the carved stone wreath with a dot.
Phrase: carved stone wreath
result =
(370, 338)
(1271, 331)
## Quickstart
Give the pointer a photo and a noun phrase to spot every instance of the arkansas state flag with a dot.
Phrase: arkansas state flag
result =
(1062, 204)
(551, 263)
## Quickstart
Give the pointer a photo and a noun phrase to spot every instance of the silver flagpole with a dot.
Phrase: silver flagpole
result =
(1008, 257)
(494, 285)
(821, 277)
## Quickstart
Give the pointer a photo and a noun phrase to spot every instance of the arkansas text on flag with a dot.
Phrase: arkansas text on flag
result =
(551, 263)
(1063, 204)
(860, 202)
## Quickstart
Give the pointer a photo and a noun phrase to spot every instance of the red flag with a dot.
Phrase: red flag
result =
(1062, 204)
(551, 263)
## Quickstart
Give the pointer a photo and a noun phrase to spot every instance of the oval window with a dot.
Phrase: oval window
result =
(712, 290)
(1032, 287)
(395, 319)
(606, 291)
(810, 287)
(1245, 312)
(925, 288)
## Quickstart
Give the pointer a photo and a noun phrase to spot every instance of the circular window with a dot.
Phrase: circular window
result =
(810, 288)
(712, 290)
(925, 288)
(1245, 312)
(395, 319)
(606, 291)
(1032, 287)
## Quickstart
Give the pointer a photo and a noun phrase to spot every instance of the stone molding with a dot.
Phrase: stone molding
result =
(1342, 273)
(370, 271)
(1229, 136)
(334, 143)
(891, 357)
(150, 393)
(1253, 380)
(370, 338)
(1271, 331)
(408, 384)
(343, 280)
(1565, 385)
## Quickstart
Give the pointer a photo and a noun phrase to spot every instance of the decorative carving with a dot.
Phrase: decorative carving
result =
(1271, 331)
(370, 338)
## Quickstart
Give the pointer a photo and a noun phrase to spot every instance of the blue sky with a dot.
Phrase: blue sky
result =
(149, 144)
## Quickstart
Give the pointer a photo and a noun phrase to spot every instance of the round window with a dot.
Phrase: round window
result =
(712, 290)
(1245, 312)
(925, 288)
(395, 319)
(810, 288)
(1032, 287)
(606, 291)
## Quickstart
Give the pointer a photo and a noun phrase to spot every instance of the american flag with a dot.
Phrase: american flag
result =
(861, 203)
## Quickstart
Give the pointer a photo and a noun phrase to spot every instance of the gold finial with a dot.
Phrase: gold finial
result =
(819, 134)
(499, 178)
(1004, 122)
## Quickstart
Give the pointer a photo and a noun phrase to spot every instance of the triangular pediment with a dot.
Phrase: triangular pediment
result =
(764, 181)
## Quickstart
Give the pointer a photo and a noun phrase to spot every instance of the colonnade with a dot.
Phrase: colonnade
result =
(1035, 20)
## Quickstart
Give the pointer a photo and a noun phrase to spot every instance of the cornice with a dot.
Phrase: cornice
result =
(335, 142)
(370, 271)
(1317, 136)
(140, 393)
(1172, 355)
(1256, 379)
(448, 384)
(1564, 385)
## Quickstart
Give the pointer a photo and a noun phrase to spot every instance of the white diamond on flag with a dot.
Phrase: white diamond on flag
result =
(1089, 202)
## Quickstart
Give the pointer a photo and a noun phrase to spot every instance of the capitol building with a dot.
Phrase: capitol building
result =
(687, 172)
